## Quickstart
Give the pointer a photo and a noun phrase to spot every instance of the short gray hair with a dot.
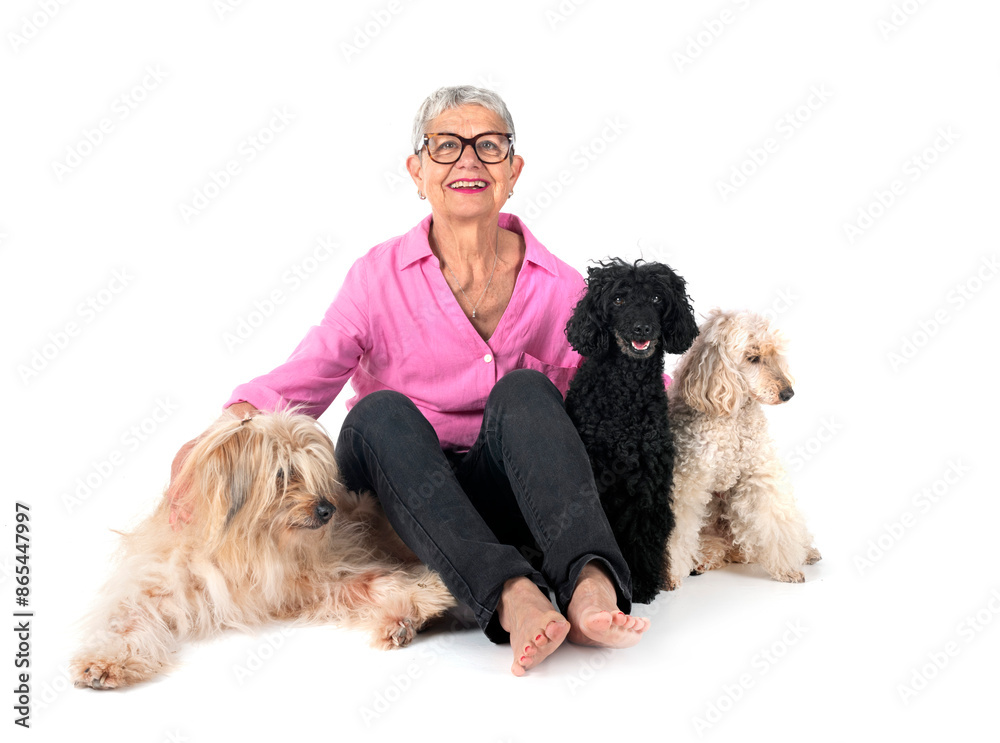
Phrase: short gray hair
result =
(444, 99)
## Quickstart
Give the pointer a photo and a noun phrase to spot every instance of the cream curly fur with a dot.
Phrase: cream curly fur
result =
(732, 500)
(261, 545)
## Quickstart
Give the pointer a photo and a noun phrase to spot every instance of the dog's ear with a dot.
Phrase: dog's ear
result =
(215, 487)
(240, 485)
(708, 377)
(679, 327)
(586, 330)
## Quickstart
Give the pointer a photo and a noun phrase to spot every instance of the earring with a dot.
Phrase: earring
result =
(510, 194)
(420, 194)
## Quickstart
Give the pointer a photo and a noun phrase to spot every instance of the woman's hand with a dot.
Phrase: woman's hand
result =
(178, 488)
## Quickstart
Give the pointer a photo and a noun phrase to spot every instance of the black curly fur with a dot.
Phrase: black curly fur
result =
(619, 405)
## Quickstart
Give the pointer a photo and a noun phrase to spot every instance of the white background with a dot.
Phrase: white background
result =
(642, 138)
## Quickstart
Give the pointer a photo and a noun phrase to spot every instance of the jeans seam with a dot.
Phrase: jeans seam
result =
(427, 537)
(512, 472)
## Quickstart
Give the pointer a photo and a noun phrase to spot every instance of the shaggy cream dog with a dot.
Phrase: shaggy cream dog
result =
(732, 501)
(263, 544)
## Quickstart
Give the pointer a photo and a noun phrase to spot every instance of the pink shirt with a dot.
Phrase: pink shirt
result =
(396, 325)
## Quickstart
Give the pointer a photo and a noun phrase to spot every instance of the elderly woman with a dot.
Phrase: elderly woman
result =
(452, 337)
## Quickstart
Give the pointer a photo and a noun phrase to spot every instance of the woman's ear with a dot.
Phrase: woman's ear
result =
(415, 168)
(516, 166)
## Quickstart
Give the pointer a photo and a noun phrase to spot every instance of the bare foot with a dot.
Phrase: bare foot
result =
(594, 616)
(536, 629)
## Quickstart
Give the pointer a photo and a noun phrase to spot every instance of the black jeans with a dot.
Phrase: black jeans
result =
(521, 502)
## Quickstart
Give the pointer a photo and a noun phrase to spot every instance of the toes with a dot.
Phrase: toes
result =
(556, 630)
(522, 664)
(543, 643)
(628, 622)
(403, 634)
(606, 629)
(94, 676)
(602, 621)
(635, 624)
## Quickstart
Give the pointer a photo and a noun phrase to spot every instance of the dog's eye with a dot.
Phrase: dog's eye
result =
(753, 359)
(619, 301)
(655, 299)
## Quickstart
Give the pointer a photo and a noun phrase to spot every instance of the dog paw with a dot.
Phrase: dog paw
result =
(737, 556)
(813, 556)
(707, 565)
(790, 576)
(105, 674)
(398, 634)
(404, 635)
(673, 584)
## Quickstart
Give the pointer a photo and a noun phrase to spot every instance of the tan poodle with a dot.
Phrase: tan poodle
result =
(732, 500)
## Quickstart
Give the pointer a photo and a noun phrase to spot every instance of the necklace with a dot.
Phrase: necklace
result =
(496, 253)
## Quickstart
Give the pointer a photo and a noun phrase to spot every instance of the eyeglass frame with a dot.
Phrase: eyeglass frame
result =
(465, 143)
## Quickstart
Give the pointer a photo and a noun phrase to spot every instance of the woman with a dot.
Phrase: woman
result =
(452, 336)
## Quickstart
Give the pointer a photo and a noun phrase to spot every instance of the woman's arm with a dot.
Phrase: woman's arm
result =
(310, 379)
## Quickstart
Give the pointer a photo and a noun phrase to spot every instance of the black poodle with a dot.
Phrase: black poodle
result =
(630, 315)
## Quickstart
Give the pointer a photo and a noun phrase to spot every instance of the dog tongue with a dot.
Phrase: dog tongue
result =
(640, 346)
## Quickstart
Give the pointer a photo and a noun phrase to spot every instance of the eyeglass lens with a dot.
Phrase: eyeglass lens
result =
(491, 148)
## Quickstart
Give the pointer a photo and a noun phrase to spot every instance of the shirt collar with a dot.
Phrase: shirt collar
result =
(416, 245)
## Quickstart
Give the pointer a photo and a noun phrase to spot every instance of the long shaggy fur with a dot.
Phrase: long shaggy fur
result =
(263, 544)
(630, 316)
(732, 501)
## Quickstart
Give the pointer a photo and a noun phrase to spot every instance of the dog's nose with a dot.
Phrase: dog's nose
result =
(643, 330)
(324, 511)
(786, 394)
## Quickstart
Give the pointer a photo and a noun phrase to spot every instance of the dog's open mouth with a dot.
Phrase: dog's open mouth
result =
(641, 349)
(637, 349)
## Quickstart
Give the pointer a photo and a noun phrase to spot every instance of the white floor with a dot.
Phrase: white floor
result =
(731, 654)
(127, 322)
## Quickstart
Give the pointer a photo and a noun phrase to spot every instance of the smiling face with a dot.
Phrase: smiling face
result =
(640, 309)
(636, 310)
(467, 188)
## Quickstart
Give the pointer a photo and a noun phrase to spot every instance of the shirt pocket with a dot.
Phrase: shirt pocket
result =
(561, 376)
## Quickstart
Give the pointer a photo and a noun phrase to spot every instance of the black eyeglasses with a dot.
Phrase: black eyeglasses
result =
(490, 147)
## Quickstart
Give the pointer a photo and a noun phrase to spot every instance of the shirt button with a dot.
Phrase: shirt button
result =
(488, 358)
